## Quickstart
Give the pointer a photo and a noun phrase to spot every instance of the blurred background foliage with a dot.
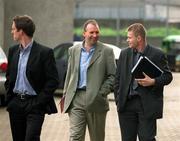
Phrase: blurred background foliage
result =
(151, 32)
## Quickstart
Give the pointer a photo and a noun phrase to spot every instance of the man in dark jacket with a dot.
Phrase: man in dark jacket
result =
(139, 101)
(31, 81)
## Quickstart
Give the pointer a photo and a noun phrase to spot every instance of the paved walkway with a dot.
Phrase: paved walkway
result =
(56, 126)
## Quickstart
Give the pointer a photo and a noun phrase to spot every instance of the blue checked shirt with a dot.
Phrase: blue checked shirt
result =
(22, 84)
(84, 63)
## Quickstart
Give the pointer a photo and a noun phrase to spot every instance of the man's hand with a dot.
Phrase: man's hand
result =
(147, 81)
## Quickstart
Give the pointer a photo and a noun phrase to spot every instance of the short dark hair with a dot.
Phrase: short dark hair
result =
(138, 29)
(25, 23)
(91, 21)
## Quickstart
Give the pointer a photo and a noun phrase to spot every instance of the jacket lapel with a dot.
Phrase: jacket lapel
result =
(32, 55)
(130, 62)
(96, 55)
(16, 60)
(77, 57)
(130, 58)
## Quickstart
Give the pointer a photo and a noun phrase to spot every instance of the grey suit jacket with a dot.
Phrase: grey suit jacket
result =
(152, 97)
(100, 77)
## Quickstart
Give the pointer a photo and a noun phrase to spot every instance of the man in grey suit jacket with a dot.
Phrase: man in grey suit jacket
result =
(89, 79)
(139, 101)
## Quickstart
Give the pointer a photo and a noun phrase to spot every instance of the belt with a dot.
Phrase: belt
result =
(81, 89)
(23, 96)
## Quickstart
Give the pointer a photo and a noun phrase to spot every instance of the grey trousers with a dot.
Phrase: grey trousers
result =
(80, 118)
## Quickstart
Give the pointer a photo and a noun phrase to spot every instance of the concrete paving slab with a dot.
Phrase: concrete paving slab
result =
(56, 127)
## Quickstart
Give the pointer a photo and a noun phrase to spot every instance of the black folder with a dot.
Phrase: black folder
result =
(144, 64)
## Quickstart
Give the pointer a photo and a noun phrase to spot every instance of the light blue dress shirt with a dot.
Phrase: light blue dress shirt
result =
(85, 59)
(22, 84)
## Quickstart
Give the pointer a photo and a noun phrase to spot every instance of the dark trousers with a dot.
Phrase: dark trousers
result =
(133, 123)
(26, 119)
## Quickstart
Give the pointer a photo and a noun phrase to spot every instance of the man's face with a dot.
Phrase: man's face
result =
(132, 40)
(16, 34)
(91, 35)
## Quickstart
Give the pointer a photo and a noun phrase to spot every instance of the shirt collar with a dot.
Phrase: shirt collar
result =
(144, 50)
(84, 49)
(27, 47)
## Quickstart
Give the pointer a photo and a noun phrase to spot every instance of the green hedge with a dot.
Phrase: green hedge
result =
(151, 32)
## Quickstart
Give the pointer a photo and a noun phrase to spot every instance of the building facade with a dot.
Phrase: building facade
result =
(53, 19)
(128, 9)
(119, 14)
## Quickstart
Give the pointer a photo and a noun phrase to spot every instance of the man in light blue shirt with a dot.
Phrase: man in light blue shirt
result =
(22, 84)
(84, 63)
(89, 79)
(31, 80)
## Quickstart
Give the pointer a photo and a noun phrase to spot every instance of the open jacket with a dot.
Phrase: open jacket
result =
(152, 96)
(100, 77)
(41, 73)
